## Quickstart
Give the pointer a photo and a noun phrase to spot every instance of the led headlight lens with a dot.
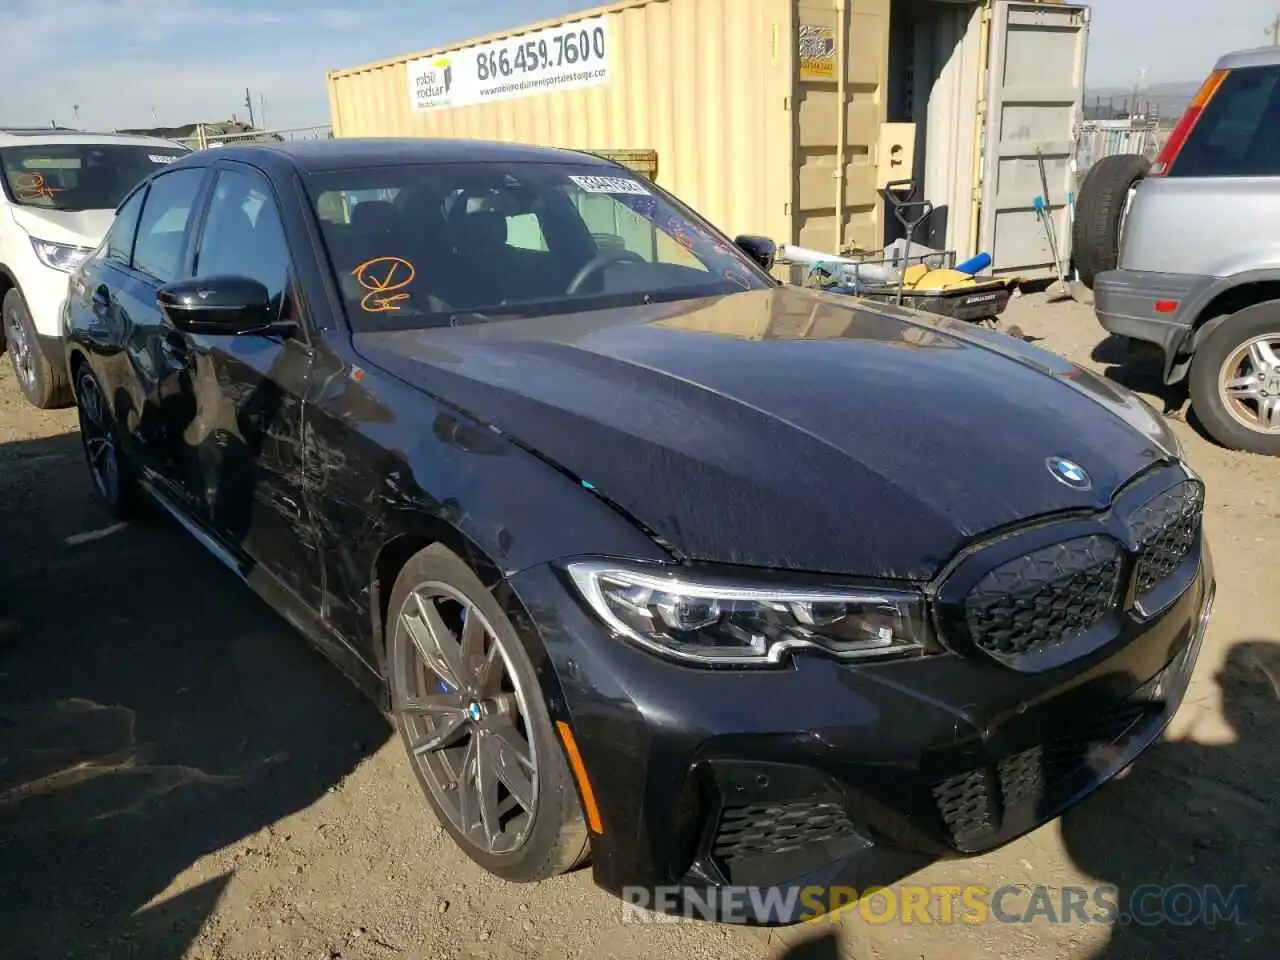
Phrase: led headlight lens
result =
(59, 256)
(709, 621)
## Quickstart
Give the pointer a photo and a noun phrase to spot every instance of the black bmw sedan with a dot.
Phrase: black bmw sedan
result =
(719, 583)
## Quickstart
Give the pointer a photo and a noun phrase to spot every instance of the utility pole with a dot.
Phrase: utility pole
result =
(248, 102)
(262, 111)
(1274, 31)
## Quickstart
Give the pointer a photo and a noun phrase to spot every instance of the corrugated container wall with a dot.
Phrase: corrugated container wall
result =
(816, 120)
(701, 82)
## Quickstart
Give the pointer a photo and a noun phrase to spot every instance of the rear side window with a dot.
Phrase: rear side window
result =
(1239, 133)
(120, 242)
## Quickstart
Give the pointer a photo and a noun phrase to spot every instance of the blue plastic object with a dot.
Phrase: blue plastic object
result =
(975, 264)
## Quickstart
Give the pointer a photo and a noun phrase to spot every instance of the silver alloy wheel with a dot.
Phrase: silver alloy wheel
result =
(1249, 384)
(463, 712)
(98, 438)
(24, 361)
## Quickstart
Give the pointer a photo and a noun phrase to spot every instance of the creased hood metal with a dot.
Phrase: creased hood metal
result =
(789, 429)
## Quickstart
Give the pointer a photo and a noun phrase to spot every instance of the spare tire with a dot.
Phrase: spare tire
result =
(1095, 239)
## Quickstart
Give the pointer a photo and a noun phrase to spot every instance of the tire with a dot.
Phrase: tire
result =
(555, 837)
(42, 383)
(1224, 418)
(109, 469)
(1095, 238)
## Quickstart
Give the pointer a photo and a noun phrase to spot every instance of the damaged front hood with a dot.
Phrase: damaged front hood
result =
(787, 429)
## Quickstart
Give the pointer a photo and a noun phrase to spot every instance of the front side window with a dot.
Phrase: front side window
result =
(76, 177)
(430, 244)
(157, 251)
(124, 229)
(243, 235)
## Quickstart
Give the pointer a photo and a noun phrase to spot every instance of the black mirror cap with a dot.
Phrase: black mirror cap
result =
(760, 249)
(217, 305)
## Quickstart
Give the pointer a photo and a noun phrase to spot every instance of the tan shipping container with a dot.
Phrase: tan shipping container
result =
(716, 95)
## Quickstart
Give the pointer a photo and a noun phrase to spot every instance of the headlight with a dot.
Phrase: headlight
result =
(59, 256)
(709, 621)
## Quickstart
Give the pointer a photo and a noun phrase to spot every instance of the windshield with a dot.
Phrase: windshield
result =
(82, 176)
(435, 244)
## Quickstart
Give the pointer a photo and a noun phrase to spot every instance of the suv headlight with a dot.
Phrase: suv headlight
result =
(59, 256)
(709, 621)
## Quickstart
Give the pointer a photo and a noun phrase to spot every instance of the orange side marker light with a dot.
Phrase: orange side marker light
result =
(580, 774)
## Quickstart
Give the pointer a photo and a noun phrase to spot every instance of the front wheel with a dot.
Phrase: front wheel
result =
(42, 383)
(474, 722)
(1235, 380)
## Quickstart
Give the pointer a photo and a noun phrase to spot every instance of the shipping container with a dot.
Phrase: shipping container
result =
(736, 107)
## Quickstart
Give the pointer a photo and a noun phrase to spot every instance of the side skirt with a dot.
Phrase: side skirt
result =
(305, 620)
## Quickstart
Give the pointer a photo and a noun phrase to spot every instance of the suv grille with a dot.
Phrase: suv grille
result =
(1045, 598)
(1166, 529)
(766, 829)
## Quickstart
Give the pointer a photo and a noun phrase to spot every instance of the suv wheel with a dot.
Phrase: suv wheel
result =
(1100, 211)
(43, 384)
(1235, 380)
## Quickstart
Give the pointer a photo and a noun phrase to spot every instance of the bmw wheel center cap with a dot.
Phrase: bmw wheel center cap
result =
(1069, 472)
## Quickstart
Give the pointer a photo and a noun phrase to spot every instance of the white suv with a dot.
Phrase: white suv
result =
(58, 194)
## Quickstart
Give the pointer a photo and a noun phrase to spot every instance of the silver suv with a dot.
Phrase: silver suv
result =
(1196, 240)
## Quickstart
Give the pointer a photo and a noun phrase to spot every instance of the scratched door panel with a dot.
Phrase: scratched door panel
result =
(245, 440)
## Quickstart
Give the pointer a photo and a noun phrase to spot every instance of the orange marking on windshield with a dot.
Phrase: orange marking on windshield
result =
(32, 186)
(382, 277)
(740, 278)
(683, 237)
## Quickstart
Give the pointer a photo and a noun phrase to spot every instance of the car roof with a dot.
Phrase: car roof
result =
(341, 153)
(1257, 57)
(45, 136)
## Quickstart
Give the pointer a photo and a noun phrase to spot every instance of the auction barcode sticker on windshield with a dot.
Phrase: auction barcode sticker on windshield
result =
(611, 185)
(162, 157)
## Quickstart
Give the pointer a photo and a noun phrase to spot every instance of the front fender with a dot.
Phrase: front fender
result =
(389, 470)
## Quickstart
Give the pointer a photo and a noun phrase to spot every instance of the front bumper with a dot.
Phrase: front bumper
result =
(44, 290)
(1125, 302)
(827, 775)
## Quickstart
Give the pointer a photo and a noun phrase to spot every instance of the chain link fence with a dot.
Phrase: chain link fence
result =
(206, 137)
(1106, 138)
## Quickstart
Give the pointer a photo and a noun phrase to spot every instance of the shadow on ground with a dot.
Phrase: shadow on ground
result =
(1140, 372)
(152, 711)
(825, 946)
(1195, 831)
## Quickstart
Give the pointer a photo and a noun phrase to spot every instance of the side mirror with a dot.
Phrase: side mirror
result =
(223, 305)
(760, 249)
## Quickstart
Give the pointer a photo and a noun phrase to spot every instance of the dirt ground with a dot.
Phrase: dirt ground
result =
(181, 776)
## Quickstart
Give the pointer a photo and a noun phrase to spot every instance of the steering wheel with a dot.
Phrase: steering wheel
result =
(597, 263)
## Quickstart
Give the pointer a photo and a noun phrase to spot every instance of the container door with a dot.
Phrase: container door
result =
(1035, 89)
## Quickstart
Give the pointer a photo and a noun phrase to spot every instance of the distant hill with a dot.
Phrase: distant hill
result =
(1184, 90)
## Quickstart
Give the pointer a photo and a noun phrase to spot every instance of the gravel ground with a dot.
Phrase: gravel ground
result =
(181, 776)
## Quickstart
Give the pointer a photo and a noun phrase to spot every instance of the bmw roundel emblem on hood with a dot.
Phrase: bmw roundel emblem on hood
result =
(1069, 472)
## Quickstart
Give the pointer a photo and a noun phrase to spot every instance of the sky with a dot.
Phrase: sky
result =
(137, 63)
